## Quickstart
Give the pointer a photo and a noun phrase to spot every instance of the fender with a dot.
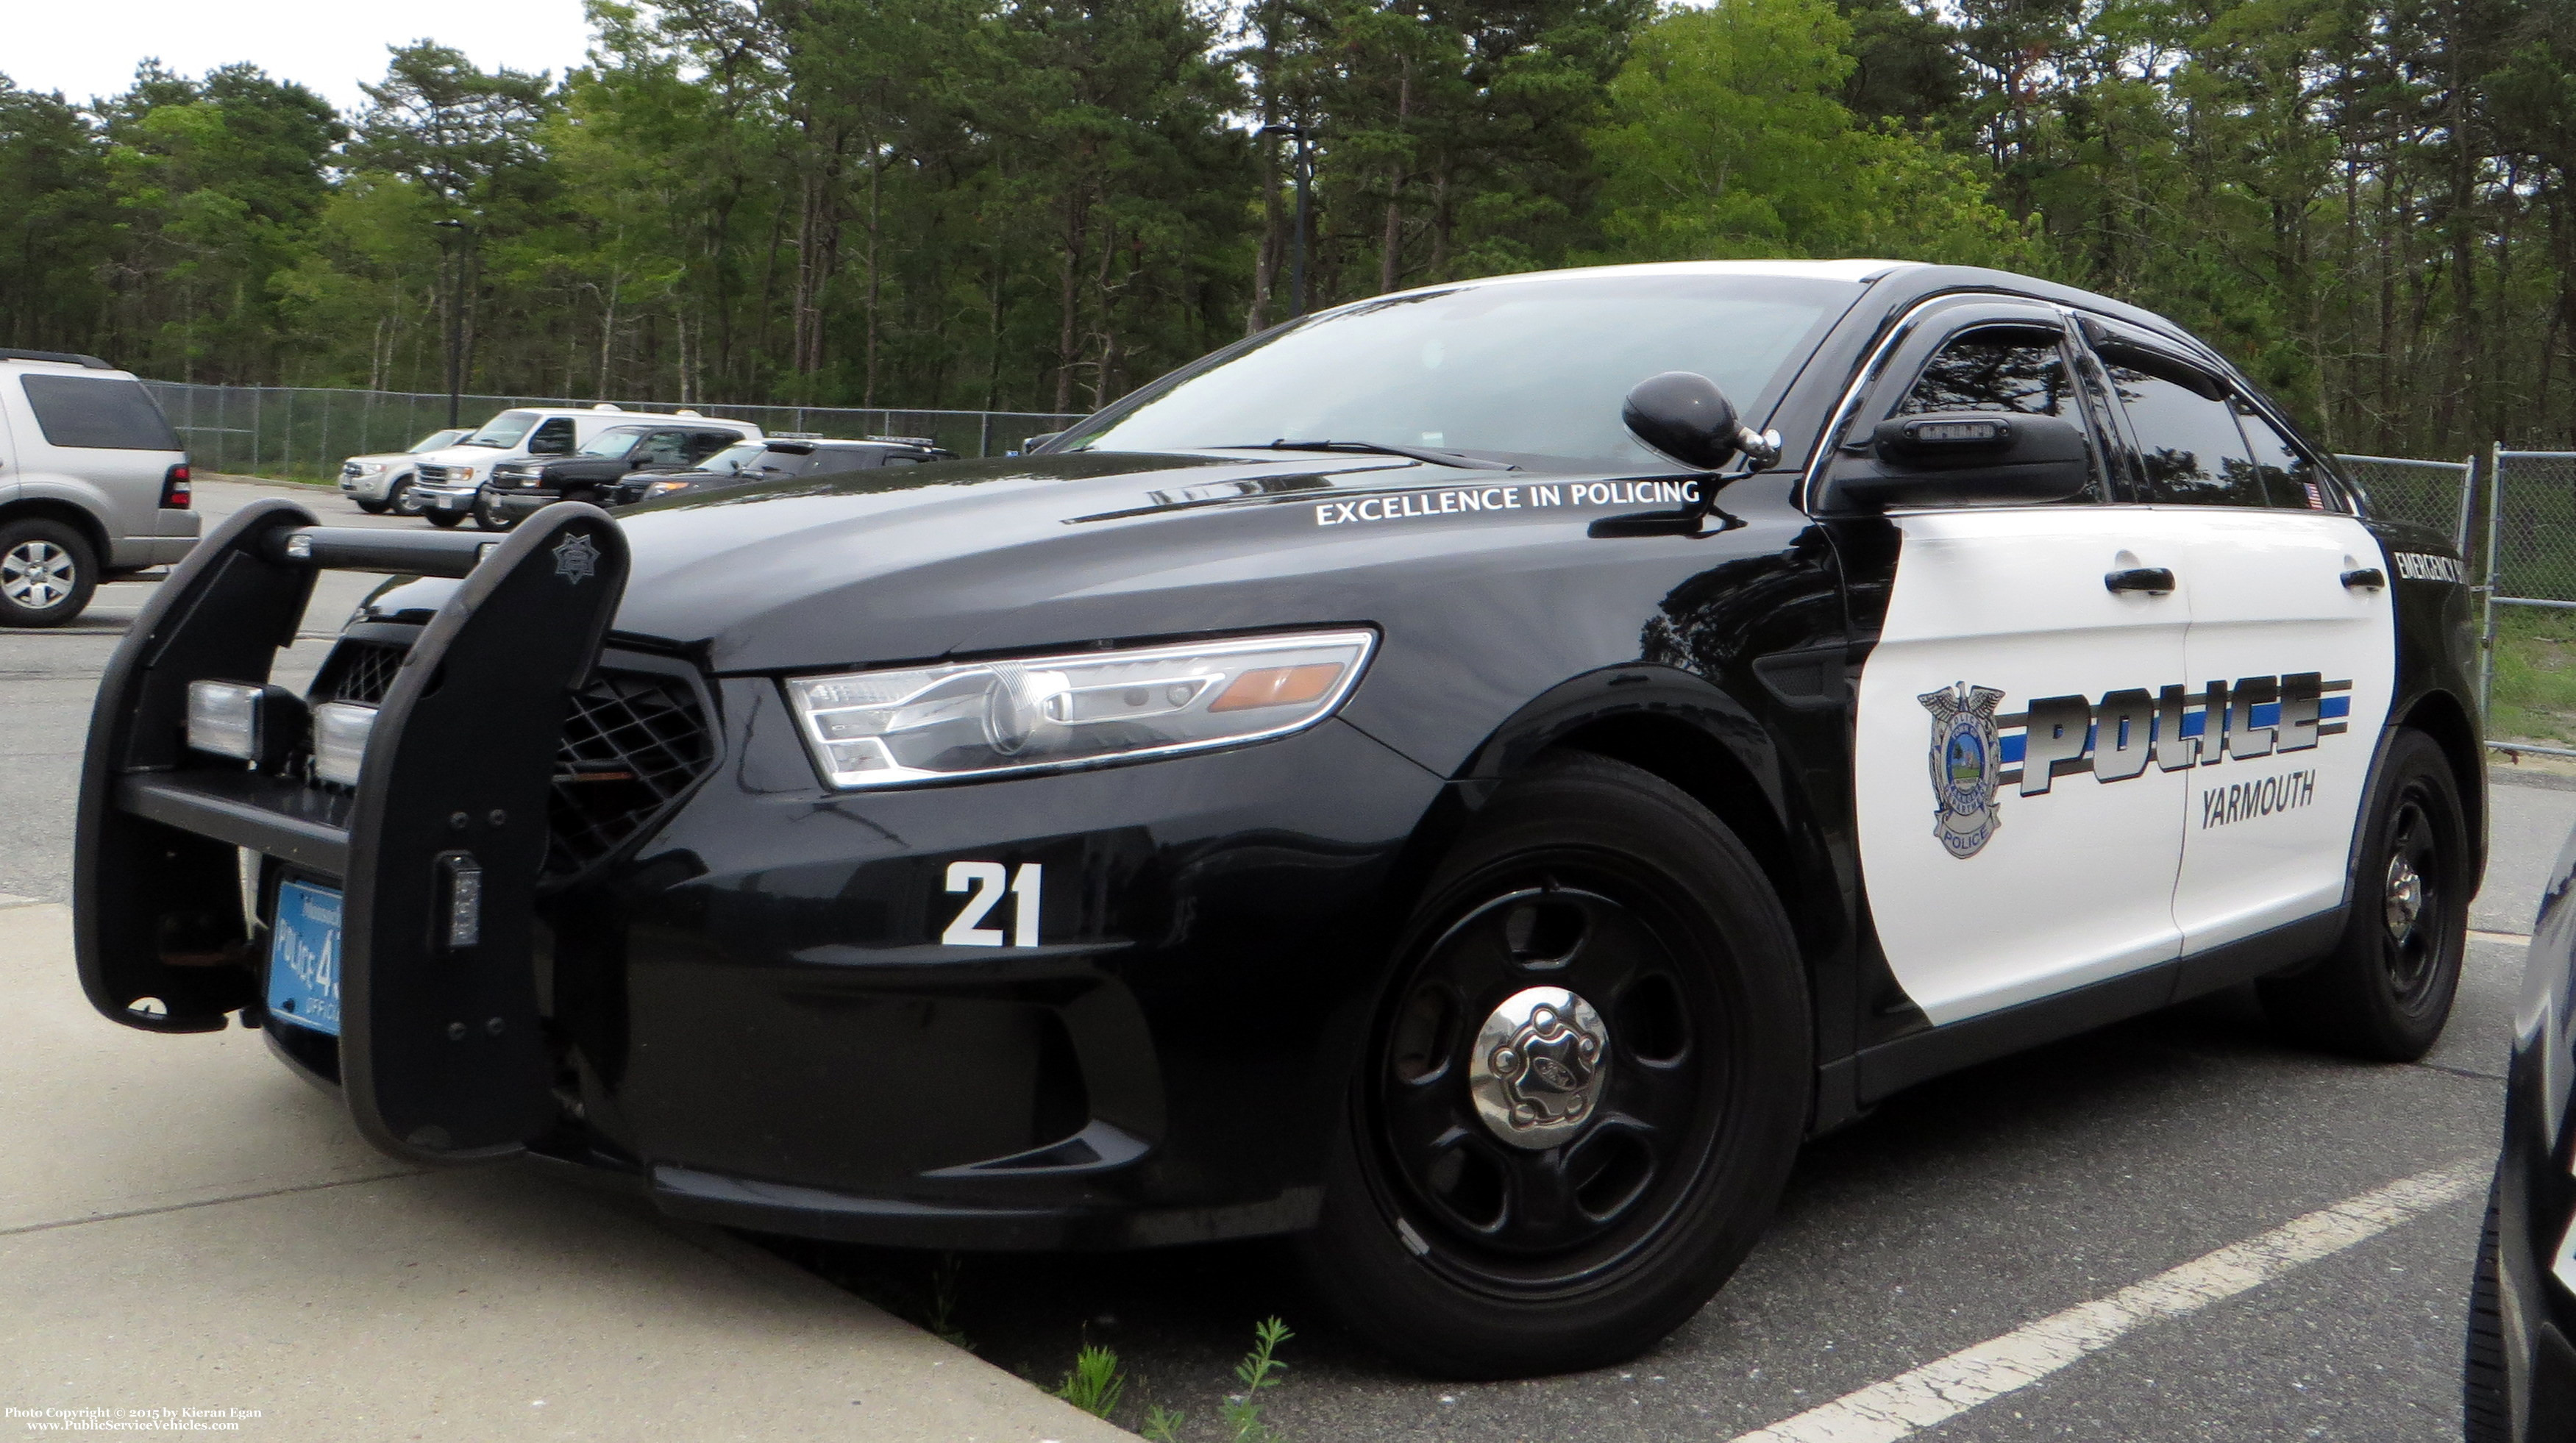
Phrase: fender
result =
(1726, 751)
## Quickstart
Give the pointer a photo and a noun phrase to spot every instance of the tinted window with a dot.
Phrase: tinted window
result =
(2289, 479)
(1993, 371)
(839, 459)
(662, 448)
(553, 438)
(98, 413)
(2187, 437)
(703, 444)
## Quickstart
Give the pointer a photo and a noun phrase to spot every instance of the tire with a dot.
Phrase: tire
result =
(399, 498)
(443, 519)
(487, 519)
(1619, 1212)
(2385, 992)
(48, 572)
(2486, 1410)
(373, 508)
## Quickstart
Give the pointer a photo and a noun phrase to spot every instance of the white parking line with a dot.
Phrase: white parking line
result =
(1939, 1391)
(2510, 939)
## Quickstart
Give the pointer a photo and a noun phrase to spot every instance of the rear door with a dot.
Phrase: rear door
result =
(2016, 838)
(2290, 669)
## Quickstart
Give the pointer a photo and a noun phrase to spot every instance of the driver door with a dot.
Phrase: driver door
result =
(2017, 838)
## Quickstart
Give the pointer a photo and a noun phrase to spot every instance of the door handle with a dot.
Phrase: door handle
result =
(2153, 580)
(2365, 578)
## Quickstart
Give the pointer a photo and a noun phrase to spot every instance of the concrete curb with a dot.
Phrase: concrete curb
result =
(183, 1224)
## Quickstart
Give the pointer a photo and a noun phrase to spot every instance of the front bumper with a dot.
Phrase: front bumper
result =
(368, 486)
(517, 504)
(752, 1011)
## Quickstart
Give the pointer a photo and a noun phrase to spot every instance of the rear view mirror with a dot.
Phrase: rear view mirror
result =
(1964, 458)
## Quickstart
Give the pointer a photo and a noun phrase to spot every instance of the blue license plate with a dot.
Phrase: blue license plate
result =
(304, 958)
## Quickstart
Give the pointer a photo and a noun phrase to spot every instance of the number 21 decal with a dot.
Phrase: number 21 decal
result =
(986, 881)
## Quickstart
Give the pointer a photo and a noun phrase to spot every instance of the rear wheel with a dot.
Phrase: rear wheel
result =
(47, 573)
(1583, 1094)
(2385, 992)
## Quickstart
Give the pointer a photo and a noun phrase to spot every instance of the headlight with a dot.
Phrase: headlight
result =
(340, 731)
(1037, 713)
(664, 488)
(364, 468)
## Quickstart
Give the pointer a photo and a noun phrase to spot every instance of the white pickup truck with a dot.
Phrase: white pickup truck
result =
(445, 483)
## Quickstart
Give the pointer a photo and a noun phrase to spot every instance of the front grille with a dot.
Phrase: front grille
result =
(632, 741)
(358, 671)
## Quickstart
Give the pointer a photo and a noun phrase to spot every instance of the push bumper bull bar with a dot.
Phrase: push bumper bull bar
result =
(441, 1052)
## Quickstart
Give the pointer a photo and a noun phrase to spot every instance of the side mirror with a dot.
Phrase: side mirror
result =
(1683, 415)
(1964, 458)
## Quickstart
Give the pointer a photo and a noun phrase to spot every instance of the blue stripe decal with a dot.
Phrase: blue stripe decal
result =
(2011, 747)
(2334, 706)
(2194, 723)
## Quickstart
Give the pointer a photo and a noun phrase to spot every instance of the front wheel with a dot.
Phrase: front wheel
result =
(446, 520)
(489, 519)
(47, 573)
(372, 508)
(1581, 1096)
(2385, 992)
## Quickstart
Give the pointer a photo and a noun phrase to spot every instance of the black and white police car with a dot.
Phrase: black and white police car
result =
(1428, 779)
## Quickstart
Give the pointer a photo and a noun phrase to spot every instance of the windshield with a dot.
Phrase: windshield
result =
(1530, 370)
(615, 441)
(503, 430)
(732, 458)
(436, 440)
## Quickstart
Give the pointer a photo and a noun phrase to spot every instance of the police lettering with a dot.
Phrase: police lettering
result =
(2173, 728)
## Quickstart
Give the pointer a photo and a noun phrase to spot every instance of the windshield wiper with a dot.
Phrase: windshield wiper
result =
(1373, 448)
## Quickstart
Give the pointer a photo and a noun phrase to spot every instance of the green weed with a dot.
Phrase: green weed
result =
(1094, 1383)
(1259, 1369)
(1162, 1425)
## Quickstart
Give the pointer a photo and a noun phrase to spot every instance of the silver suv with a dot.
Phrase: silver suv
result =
(93, 484)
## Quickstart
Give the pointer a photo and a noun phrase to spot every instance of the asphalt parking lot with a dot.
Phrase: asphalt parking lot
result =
(1956, 1214)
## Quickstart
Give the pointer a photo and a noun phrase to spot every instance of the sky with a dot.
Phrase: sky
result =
(86, 48)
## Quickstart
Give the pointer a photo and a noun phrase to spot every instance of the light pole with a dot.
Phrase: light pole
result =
(456, 317)
(1305, 166)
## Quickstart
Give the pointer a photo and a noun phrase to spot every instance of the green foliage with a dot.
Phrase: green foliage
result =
(2534, 687)
(1161, 1425)
(1094, 1382)
(1039, 204)
(1259, 1369)
(1728, 137)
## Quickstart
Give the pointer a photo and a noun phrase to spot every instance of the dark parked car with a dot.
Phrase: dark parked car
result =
(781, 458)
(1435, 779)
(518, 489)
(2521, 1378)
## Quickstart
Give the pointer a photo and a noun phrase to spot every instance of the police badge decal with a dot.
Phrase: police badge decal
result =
(1965, 758)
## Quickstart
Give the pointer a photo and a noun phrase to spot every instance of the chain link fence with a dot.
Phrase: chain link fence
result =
(300, 433)
(2433, 494)
(2527, 681)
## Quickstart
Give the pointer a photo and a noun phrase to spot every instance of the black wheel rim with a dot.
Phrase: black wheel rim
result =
(1521, 1218)
(2415, 902)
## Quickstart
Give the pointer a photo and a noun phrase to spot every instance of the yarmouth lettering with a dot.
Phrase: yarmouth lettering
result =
(2244, 801)
(1459, 500)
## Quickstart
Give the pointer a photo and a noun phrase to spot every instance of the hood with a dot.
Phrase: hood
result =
(464, 455)
(385, 458)
(911, 563)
